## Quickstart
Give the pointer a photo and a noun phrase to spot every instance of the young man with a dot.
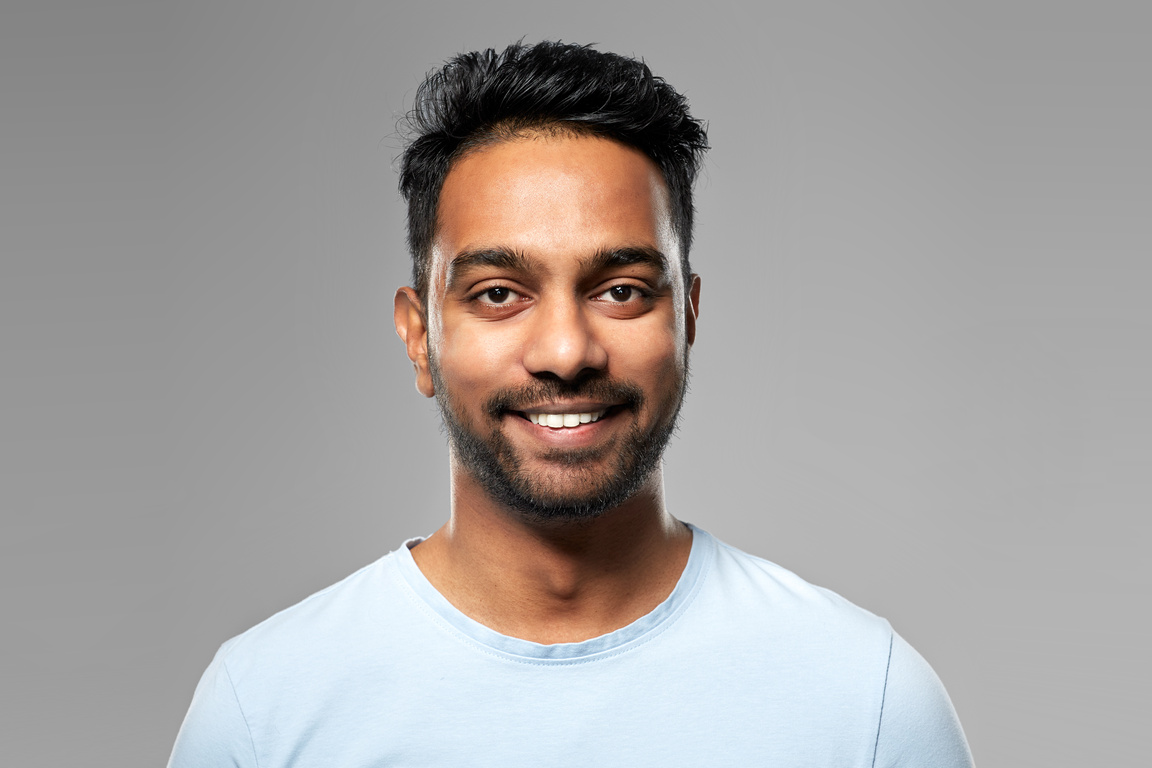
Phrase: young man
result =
(561, 616)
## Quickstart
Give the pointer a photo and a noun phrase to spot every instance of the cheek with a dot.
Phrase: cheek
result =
(651, 357)
(473, 357)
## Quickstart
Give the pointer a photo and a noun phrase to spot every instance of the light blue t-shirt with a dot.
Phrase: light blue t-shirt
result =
(744, 664)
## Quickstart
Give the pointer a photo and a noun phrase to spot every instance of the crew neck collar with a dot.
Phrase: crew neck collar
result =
(452, 620)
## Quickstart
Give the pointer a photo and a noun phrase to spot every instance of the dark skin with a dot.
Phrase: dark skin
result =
(554, 258)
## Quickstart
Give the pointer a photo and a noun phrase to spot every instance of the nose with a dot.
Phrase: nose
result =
(563, 342)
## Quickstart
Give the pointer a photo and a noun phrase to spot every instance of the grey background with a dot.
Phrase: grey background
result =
(921, 378)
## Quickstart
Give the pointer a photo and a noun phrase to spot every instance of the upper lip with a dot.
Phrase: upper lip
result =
(574, 407)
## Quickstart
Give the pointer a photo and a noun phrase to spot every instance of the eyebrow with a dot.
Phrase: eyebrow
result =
(496, 258)
(627, 256)
(516, 261)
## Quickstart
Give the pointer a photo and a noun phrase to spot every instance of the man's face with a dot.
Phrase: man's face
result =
(558, 326)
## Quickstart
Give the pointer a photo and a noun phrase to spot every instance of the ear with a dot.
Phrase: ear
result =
(692, 311)
(412, 328)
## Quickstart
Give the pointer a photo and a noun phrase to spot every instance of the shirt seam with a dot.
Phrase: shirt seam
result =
(883, 698)
(240, 708)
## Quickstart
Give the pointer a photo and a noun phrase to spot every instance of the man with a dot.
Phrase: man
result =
(561, 616)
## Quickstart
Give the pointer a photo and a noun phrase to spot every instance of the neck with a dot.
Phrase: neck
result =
(555, 582)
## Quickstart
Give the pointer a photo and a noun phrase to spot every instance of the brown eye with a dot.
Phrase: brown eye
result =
(497, 295)
(619, 294)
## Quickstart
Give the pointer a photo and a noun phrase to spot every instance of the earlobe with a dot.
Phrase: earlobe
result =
(693, 308)
(412, 328)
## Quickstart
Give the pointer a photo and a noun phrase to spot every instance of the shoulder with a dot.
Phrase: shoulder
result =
(843, 653)
(761, 588)
(773, 621)
(325, 625)
(282, 671)
(919, 724)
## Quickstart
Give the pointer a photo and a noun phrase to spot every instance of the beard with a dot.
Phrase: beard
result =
(585, 490)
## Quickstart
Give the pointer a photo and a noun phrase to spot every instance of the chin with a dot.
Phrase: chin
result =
(595, 493)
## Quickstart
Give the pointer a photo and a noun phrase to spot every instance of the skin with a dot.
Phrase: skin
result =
(555, 312)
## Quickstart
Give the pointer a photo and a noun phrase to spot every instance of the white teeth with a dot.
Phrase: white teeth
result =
(562, 420)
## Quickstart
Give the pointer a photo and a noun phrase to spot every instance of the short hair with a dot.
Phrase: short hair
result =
(484, 97)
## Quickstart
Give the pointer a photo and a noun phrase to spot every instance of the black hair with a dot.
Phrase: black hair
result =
(484, 97)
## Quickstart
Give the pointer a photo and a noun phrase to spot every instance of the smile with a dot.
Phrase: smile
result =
(564, 420)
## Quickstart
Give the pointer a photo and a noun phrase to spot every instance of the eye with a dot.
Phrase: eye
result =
(497, 295)
(620, 294)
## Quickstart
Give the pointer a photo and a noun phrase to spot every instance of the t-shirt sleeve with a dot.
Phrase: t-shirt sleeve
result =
(918, 726)
(214, 733)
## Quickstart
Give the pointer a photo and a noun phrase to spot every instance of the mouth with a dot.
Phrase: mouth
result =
(568, 420)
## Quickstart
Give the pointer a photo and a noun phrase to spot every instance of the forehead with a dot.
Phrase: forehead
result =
(553, 197)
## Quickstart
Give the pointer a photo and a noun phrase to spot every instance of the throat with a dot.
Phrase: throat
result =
(554, 589)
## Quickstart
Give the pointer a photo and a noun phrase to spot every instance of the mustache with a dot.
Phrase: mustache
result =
(540, 391)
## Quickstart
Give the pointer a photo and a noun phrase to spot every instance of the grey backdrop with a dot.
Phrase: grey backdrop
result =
(921, 379)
